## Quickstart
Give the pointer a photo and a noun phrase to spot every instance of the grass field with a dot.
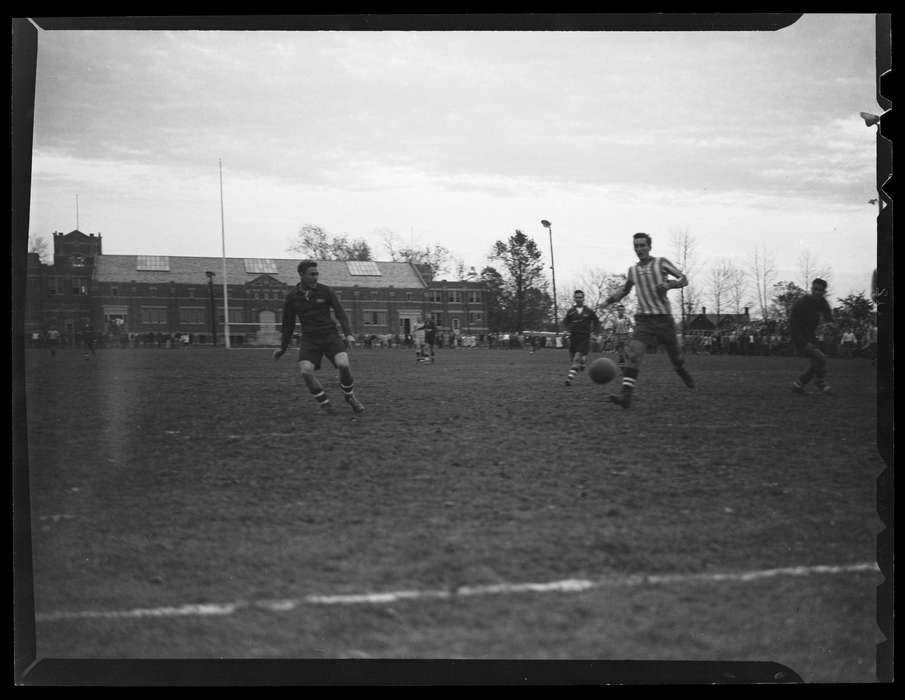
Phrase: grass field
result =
(195, 504)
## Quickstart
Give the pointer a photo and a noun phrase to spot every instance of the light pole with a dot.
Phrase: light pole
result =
(547, 225)
(210, 284)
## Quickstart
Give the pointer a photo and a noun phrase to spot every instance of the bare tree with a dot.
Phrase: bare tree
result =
(313, 242)
(763, 269)
(684, 250)
(720, 280)
(437, 257)
(598, 284)
(738, 292)
(809, 268)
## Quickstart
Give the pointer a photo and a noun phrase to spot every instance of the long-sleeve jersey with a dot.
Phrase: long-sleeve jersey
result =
(312, 307)
(805, 315)
(581, 320)
(645, 277)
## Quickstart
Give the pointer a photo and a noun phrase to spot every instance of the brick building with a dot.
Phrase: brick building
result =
(141, 294)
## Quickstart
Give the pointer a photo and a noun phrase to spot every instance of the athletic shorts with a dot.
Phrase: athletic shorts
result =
(313, 348)
(652, 329)
(580, 344)
(419, 338)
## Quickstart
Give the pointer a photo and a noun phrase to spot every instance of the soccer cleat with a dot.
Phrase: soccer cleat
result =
(623, 401)
(825, 389)
(327, 409)
(797, 388)
(356, 405)
(568, 382)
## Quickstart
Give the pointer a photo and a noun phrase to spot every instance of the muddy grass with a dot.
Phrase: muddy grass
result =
(166, 478)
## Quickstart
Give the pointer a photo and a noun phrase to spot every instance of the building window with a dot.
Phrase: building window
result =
(114, 291)
(375, 318)
(474, 297)
(54, 286)
(152, 291)
(475, 317)
(408, 296)
(80, 286)
(235, 315)
(191, 315)
(433, 295)
(455, 297)
(154, 315)
(455, 325)
(190, 292)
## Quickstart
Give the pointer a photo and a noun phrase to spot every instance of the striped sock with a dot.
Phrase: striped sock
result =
(322, 398)
(629, 376)
(573, 372)
(348, 390)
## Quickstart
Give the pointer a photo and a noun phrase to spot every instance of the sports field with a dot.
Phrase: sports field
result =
(195, 504)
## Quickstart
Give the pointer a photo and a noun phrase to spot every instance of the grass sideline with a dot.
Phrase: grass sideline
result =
(182, 477)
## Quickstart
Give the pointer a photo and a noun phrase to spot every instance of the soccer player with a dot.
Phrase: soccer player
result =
(653, 319)
(622, 328)
(312, 302)
(804, 318)
(580, 322)
(425, 337)
(53, 341)
(88, 340)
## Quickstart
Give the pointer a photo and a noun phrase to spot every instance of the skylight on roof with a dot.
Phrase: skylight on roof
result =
(153, 262)
(363, 267)
(257, 266)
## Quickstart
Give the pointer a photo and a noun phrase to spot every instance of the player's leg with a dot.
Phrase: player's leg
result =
(346, 382)
(816, 368)
(634, 353)
(671, 342)
(576, 365)
(307, 368)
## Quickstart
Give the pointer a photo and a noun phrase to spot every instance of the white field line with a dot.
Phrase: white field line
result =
(564, 586)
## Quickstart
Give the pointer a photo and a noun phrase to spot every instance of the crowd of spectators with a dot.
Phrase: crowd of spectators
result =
(844, 340)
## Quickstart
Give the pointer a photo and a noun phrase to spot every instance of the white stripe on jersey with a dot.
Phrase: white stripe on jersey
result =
(646, 278)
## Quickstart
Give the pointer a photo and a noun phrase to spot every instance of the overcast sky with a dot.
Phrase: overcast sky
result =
(460, 138)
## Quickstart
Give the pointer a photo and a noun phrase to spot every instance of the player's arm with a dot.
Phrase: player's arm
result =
(621, 294)
(341, 316)
(287, 328)
(671, 270)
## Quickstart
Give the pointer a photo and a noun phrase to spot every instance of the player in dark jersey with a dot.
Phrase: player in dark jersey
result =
(580, 322)
(312, 303)
(88, 340)
(425, 338)
(804, 318)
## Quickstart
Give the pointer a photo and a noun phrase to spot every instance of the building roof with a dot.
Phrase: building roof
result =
(191, 270)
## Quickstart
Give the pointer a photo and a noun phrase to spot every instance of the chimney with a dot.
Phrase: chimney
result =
(703, 311)
(746, 311)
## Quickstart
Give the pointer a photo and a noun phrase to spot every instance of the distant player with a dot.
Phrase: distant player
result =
(580, 322)
(88, 341)
(622, 330)
(804, 317)
(53, 341)
(312, 302)
(653, 320)
(425, 339)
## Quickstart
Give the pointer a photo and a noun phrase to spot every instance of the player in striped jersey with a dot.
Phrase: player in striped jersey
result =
(622, 329)
(581, 322)
(653, 318)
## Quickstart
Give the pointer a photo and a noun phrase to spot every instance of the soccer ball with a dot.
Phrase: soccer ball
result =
(602, 370)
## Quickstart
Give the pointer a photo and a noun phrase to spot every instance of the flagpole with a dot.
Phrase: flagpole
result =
(223, 244)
